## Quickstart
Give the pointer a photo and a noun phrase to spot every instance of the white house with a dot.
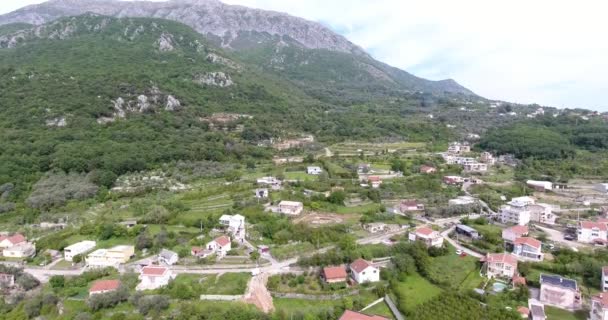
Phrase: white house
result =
(20, 250)
(235, 225)
(78, 248)
(428, 236)
(273, 182)
(457, 147)
(527, 248)
(153, 277)
(462, 201)
(291, 207)
(314, 170)
(363, 271)
(374, 181)
(560, 292)
(516, 211)
(542, 212)
(599, 307)
(220, 246)
(501, 265)
(9, 241)
(112, 257)
(540, 185)
(592, 232)
(605, 279)
(168, 257)
(476, 167)
(487, 158)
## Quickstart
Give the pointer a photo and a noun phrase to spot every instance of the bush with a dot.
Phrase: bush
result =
(56, 189)
(107, 300)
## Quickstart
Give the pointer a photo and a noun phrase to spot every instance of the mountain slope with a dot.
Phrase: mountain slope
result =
(270, 34)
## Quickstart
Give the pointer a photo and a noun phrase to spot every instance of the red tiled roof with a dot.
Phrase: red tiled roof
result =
(333, 273)
(501, 257)
(425, 231)
(601, 298)
(602, 220)
(519, 280)
(425, 168)
(153, 271)
(105, 285)
(14, 239)
(409, 203)
(359, 265)
(592, 225)
(352, 315)
(222, 241)
(519, 230)
(528, 241)
(373, 178)
(523, 311)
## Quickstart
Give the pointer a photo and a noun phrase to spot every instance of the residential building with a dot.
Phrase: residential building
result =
(13, 240)
(334, 274)
(537, 311)
(200, 252)
(363, 271)
(261, 193)
(374, 181)
(604, 279)
(510, 234)
(220, 246)
(453, 180)
(592, 232)
(458, 148)
(601, 187)
(410, 205)
(129, 223)
(104, 286)
(78, 248)
(540, 185)
(499, 265)
(235, 225)
(427, 169)
(112, 257)
(475, 167)
(487, 158)
(528, 248)
(467, 231)
(516, 211)
(7, 280)
(291, 208)
(168, 257)
(599, 307)
(273, 182)
(542, 212)
(20, 250)
(154, 277)
(428, 236)
(353, 315)
(374, 227)
(314, 170)
(560, 292)
(462, 201)
(364, 168)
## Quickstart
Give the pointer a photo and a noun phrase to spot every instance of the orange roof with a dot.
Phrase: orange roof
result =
(373, 178)
(601, 298)
(528, 241)
(333, 273)
(425, 168)
(14, 239)
(519, 280)
(105, 285)
(593, 225)
(359, 265)
(523, 310)
(519, 230)
(223, 241)
(602, 220)
(425, 231)
(153, 271)
(501, 257)
(352, 315)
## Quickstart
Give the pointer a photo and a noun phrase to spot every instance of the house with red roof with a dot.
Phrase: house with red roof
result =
(13, 240)
(334, 274)
(599, 307)
(410, 205)
(374, 181)
(220, 246)
(592, 232)
(428, 236)
(499, 265)
(523, 311)
(510, 234)
(353, 315)
(364, 271)
(526, 248)
(154, 277)
(427, 169)
(104, 286)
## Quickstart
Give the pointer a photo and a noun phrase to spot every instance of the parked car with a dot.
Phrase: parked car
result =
(568, 237)
(458, 252)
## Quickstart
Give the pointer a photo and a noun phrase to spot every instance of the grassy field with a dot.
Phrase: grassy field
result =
(228, 283)
(457, 272)
(359, 209)
(415, 290)
(381, 309)
(291, 250)
(299, 175)
(559, 314)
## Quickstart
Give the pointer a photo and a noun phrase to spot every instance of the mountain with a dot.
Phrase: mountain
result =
(322, 63)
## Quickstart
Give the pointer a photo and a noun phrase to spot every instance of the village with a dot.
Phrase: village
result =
(329, 227)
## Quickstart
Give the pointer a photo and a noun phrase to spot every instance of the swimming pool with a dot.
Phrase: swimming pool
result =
(499, 286)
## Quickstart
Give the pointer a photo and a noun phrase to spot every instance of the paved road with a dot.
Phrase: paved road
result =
(558, 236)
(468, 251)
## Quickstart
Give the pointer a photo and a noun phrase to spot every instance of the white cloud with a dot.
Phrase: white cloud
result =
(547, 51)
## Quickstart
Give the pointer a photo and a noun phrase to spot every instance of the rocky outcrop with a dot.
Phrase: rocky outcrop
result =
(56, 122)
(165, 42)
(218, 79)
(217, 59)
(172, 104)
(152, 100)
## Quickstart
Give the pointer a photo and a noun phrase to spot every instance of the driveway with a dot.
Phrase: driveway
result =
(468, 251)
(558, 237)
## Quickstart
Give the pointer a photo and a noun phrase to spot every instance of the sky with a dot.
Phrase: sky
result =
(551, 52)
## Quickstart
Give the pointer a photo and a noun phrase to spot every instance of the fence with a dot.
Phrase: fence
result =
(221, 297)
(335, 296)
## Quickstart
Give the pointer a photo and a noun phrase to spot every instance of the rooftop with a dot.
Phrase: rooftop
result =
(105, 285)
(153, 271)
(359, 265)
(501, 257)
(529, 241)
(352, 315)
(338, 272)
(559, 281)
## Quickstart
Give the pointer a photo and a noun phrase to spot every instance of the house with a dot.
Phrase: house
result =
(499, 265)
(510, 234)
(541, 186)
(542, 212)
(104, 286)
(523, 311)
(427, 169)
(334, 274)
(353, 315)
(112, 257)
(458, 148)
(487, 158)
(537, 311)
(153, 277)
(314, 170)
(428, 236)
(220, 246)
(168, 257)
(516, 211)
(467, 231)
(374, 181)
(475, 167)
(78, 248)
(604, 279)
(291, 208)
(599, 307)
(374, 227)
(592, 232)
(560, 292)
(410, 205)
(235, 225)
(462, 201)
(200, 252)
(273, 182)
(7, 280)
(528, 248)
(601, 187)
(20, 250)
(452, 180)
(9, 241)
(363, 271)
(261, 193)
(128, 223)
(364, 168)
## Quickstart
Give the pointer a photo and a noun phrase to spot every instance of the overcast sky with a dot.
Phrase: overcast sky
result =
(551, 52)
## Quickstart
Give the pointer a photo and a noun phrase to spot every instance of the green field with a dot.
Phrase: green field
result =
(228, 283)
(299, 175)
(414, 291)
(559, 314)
(381, 309)
(455, 271)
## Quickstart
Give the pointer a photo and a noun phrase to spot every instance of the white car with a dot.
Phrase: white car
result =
(458, 252)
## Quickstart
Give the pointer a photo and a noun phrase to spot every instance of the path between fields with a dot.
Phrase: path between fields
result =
(445, 235)
(257, 293)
